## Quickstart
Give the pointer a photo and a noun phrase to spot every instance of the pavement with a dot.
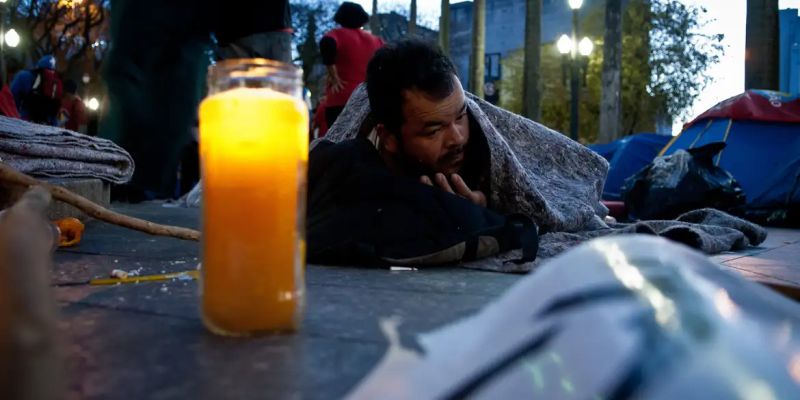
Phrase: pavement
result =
(146, 340)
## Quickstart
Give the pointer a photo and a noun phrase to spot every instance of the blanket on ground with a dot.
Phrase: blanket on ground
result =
(50, 152)
(556, 182)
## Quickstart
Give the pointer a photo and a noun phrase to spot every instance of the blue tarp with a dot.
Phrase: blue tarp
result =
(762, 132)
(626, 157)
(763, 156)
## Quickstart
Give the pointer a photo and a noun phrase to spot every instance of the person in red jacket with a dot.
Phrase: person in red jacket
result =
(346, 51)
(73, 113)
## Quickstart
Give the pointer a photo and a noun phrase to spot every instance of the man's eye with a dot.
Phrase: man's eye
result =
(460, 117)
(430, 133)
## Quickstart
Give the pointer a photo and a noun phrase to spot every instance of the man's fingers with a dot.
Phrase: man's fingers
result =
(425, 180)
(475, 196)
(479, 198)
(441, 180)
(460, 186)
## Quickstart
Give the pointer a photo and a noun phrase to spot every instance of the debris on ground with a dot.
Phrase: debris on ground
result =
(118, 273)
(70, 231)
(396, 268)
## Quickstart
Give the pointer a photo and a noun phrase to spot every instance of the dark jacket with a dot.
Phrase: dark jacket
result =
(359, 213)
(240, 18)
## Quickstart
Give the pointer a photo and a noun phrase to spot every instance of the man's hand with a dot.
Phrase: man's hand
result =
(456, 185)
(335, 83)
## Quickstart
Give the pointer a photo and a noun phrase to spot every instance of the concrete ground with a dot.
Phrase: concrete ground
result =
(776, 262)
(145, 340)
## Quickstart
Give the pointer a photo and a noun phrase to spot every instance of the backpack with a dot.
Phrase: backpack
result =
(361, 214)
(43, 101)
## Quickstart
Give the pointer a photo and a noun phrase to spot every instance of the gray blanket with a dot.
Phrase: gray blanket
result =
(557, 182)
(50, 152)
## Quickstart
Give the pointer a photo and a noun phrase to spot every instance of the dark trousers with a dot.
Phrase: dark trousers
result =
(331, 113)
(155, 74)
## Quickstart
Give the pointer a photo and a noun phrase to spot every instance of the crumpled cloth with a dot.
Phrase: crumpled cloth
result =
(708, 230)
(51, 152)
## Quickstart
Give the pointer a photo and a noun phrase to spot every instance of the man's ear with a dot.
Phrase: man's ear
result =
(387, 139)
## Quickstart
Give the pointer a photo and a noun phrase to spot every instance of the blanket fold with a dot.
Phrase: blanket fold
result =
(50, 152)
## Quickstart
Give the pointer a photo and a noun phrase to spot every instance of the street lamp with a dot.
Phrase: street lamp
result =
(585, 47)
(92, 104)
(11, 38)
(5, 37)
(564, 45)
(575, 57)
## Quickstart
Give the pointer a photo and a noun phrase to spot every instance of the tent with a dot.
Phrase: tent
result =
(626, 157)
(762, 132)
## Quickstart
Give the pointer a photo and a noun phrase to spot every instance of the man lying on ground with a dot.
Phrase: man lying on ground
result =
(412, 134)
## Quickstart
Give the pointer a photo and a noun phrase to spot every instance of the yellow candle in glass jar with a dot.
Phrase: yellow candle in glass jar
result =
(254, 151)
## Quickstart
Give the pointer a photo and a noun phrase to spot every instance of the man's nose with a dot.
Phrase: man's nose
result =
(455, 136)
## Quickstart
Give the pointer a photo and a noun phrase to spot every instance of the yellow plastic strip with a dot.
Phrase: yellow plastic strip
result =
(724, 140)
(671, 141)
(674, 138)
(194, 274)
(703, 132)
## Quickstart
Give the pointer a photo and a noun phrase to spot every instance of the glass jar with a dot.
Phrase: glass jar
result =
(253, 152)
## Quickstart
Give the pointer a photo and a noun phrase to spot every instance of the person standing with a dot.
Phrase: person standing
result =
(346, 51)
(155, 72)
(73, 112)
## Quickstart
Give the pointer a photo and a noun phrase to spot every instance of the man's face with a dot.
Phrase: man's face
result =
(435, 133)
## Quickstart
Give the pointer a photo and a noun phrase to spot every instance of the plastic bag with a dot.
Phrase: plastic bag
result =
(681, 182)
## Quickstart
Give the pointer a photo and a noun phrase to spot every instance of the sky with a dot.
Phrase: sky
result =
(725, 16)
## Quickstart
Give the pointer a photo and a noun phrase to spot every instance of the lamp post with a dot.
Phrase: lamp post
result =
(3, 5)
(575, 57)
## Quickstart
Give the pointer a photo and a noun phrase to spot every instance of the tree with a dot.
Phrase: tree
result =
(312, 19)
(374, 25)
(533, 43)
(664, 33)
(321, 11)
(611, 101)
(761, 43)
(308, 50)
(477, 60)
(444, 27)
(680, 55)
(73, 31)
(412, 19)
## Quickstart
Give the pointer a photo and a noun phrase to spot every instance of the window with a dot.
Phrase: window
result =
(492, 64)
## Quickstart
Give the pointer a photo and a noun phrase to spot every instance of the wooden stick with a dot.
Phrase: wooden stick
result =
(92, 209)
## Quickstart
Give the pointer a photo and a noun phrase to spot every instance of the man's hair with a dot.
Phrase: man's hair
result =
(403, 65)
(351, 15)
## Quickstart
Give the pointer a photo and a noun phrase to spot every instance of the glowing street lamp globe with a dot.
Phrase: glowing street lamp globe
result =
(575, 4)
(564, 44)
(12, 38)
(585, 47)
(93, 104)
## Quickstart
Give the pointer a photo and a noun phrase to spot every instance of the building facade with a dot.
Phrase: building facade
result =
(789, 51)
(505, 30)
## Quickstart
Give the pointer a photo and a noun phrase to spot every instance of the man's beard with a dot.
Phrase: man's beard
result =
(414, 167)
